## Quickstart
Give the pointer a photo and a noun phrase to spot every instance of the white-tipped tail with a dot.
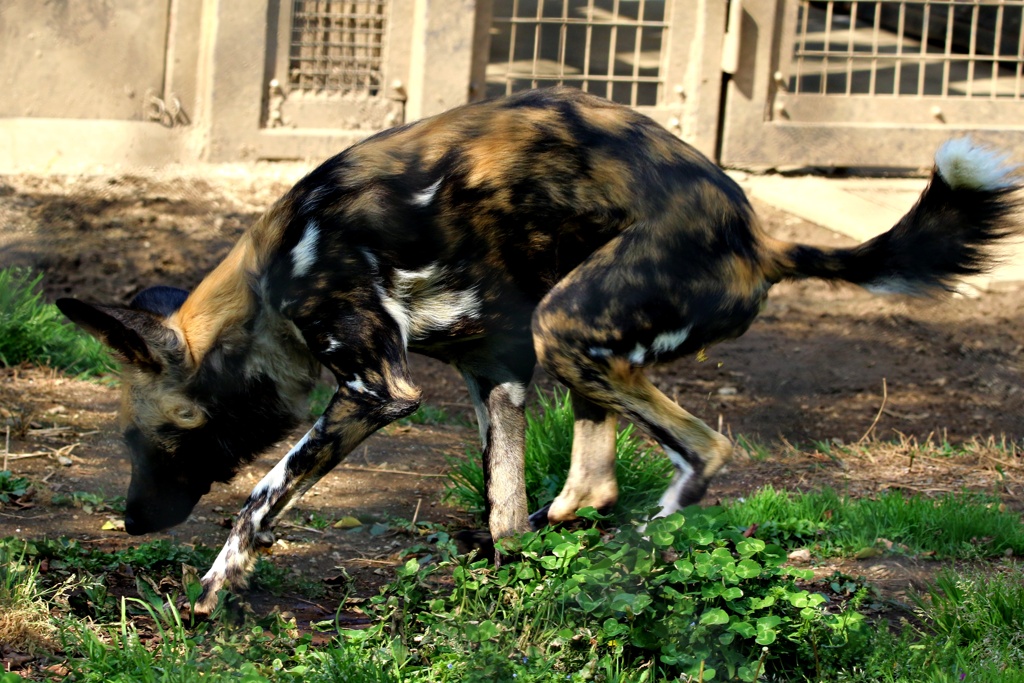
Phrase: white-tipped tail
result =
(965, 165)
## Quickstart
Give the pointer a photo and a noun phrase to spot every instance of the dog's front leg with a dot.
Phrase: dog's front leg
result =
(358, 409)
(272, 496)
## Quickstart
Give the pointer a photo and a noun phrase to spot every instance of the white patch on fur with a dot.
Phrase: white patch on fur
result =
(225, 558)
(638, 355)
(516, 393)
(670, 341)
(332, 345)
(277, 478)
(312, 201)
(963, 164)
(599, 352)
(892, 285)
(304, 253)
(670, 499)
(420, 302)
(357, 385)
(371, 260)
(424, 197)
(483, 419)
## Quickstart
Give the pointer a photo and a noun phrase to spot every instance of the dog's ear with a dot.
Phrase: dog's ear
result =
(138, 336)
(160, 300)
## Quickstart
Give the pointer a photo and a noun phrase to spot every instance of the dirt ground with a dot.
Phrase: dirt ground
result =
(813, 368)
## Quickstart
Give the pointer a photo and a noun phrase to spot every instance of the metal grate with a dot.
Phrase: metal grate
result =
(611, 48)
(943, 48)
(337, 46)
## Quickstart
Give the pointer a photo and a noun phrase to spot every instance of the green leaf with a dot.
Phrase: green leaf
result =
(748, 672)
(613, 628)
(565, 550)
(478, 633)
(744, 628)
(662, 539)
(714, 617)
(766, 631)
(722, 557)
(749, 546)
(748, 569)
(587, 603)
(711, 590)
(409, 568)
(702, 537)
(732, 593)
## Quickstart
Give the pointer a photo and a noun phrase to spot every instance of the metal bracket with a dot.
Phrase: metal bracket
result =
(732, 43)
(167, 113)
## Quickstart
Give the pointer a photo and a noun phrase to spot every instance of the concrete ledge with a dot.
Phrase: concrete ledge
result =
(31, 145)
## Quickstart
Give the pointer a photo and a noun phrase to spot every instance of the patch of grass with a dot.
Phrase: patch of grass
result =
(12, 487)
(979, 616)
(69, 556)
(431, 415)
(961, 525)
(754, 450)
(319, 399)
(971, 630)
(160, 557)
(685, 599)
(89, 503)
(183, 653)
(34, 331)
(25, 622)
(642, 472)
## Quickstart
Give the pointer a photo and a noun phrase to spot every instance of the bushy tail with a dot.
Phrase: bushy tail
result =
(972, 201)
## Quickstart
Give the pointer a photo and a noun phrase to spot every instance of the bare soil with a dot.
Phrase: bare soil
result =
(813, 368)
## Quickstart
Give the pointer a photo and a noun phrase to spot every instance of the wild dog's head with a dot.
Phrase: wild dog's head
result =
(186, 425)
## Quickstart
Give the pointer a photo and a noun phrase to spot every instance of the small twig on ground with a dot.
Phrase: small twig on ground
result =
(62, 451)
(22, 456)
(874, 423)
(367, 560)
(314, 604)
(293, 525)
(416, 514)
(47, 515)
(381, 470)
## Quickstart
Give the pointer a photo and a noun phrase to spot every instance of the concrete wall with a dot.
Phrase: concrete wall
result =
(152, 82)
(81, 60)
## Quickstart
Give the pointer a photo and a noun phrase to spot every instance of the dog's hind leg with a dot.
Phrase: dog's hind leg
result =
(591, 481)
(696, 450)
(499, 397)
(623, 309)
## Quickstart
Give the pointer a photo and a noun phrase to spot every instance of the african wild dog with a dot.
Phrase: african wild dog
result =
(550, 226)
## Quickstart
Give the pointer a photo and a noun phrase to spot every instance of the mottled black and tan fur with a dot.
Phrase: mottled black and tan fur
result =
(551, 227)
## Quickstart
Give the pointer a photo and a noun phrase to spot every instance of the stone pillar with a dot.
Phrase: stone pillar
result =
(441, 60)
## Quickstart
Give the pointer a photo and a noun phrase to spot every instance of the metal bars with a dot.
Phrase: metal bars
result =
(613, 48)
(337, 47)
(909, 48)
